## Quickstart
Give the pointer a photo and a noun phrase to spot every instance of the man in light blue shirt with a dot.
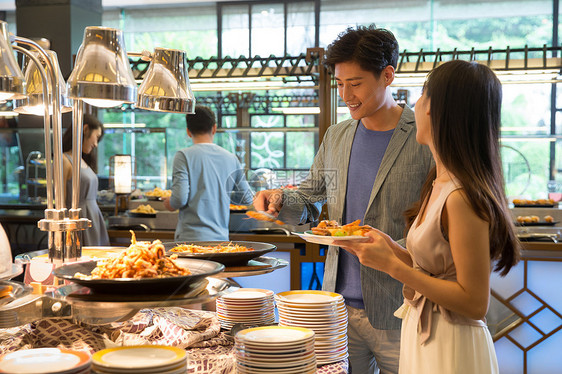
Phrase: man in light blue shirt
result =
(205, 177)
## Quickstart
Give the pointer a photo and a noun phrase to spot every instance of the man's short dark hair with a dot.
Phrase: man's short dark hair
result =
(371, 47)
(202, 121)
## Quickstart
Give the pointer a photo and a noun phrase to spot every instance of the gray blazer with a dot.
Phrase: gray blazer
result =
(398, 183)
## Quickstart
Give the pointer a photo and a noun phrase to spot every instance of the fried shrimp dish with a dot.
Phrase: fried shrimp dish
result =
(220, 248)
(332, 228)
(139, 260)
(261, 216)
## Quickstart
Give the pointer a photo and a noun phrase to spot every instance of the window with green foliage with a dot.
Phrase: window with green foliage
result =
(188, 28)
(529, 135)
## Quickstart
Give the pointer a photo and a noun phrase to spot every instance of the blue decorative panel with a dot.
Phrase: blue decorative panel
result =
(510, 357)
(525, 335)
(546, 358)
(510, 284)
(546, 320)
(539, 291)
(545, 280)
(526, 304)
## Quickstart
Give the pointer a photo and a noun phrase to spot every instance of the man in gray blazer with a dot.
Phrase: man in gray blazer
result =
(369, 168)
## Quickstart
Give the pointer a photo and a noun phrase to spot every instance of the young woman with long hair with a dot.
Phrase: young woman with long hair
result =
(92, 134)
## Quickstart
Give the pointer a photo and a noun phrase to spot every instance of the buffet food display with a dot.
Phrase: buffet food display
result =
(534, 203)
(534, 219)
(144, 209)
(158, 192)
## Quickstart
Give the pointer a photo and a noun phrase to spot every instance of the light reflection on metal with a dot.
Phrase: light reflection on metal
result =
(12, 82)
(33, 104)
(102, 75)
(64, 229)
(166, 87)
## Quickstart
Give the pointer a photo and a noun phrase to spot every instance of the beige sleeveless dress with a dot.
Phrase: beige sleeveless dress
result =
(435, 340)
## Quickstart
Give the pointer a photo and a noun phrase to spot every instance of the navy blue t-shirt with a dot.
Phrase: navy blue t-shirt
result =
(367, 152)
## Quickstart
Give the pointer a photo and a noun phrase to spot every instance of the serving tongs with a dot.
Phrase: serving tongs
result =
(31, 308)
(533, 236)
(264, 216)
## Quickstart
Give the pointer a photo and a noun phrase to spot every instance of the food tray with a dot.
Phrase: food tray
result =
(227, 258)
(543, 223)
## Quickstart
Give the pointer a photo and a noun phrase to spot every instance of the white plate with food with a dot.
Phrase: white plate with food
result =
(329, 240)
(328, 231)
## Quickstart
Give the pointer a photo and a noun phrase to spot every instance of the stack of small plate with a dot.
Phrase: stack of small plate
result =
(46, 360)
(140, 359)
(249, 306)
(321, 311)
(275, 349)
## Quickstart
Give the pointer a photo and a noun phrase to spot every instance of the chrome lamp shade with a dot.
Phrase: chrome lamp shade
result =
(165, 87)
(12, 82)
(33, 104)
(102, 75)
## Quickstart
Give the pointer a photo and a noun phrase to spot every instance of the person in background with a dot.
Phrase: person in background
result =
(370, 168)
(205, 177)
(8, 138)
(92, 134)
(460, 226)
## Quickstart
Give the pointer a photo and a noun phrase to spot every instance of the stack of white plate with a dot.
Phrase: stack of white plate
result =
(140, 359)
(275, 349)
(46, 360)
(321, 311)
(250, 306)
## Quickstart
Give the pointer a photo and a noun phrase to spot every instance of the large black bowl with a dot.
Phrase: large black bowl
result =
(165, 285)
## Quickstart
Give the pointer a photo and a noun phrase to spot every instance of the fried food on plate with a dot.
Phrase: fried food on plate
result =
(158, 192)
(220, 248)
(238, 207)
(527, 219)
(332, 228)
(144, 209)
(262, 216)
(139, 260)
(533, 202)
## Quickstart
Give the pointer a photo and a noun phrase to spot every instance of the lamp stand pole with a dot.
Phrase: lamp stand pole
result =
(64, 226)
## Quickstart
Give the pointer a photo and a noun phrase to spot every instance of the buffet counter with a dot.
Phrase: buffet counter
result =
(526, 306)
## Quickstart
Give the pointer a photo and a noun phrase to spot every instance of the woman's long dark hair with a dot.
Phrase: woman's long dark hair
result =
(465, 106)
(93, 124)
